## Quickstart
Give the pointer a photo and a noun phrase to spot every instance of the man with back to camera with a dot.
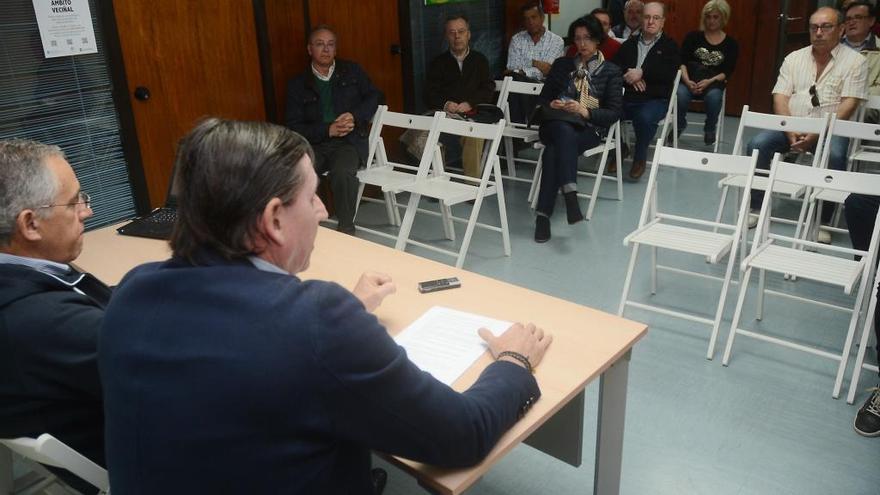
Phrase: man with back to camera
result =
(278, 385)
(820, 78)
(331, 104)
(51, 314)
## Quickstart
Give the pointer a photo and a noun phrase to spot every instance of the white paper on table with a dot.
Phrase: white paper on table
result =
(444, 342)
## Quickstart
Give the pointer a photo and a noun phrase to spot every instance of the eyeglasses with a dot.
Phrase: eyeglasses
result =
(320, 45)
(655, 18)
(814, 96)
(84, 199)
(857, 17)
(822, 27)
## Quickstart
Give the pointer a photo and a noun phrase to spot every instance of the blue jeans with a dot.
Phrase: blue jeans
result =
(563, 145)
(770, 142)
(644, 115)
(712, 100)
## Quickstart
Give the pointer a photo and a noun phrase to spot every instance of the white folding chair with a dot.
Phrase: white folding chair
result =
(856, 132)
(719, 129)
(841, 271)
(451, 189)
(688, 234)
(516, 130)
(384, 173)
(771, 122)
(50, 451)
(867, 329)
(610, 144)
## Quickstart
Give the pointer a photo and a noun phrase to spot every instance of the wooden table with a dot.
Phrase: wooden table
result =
(587, 344)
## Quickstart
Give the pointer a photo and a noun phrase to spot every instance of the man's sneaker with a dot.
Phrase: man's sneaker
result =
(824, 237)
(867, 422)
(752, 222)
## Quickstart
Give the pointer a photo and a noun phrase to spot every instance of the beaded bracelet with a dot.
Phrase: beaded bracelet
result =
(519, 357)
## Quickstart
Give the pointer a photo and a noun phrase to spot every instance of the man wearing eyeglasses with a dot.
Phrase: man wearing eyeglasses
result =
(824, 77)
(51, 314)
(859, 19)
(331, 105)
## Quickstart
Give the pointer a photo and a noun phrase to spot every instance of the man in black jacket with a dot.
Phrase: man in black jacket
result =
(331, 104)
(51, 314)
(650, 62)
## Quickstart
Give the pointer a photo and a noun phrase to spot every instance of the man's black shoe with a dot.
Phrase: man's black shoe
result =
(709, 138)
(542, 229)
(380, 478)
(867, 422)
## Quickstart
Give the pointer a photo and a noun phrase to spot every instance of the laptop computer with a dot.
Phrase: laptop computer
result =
(158, 223)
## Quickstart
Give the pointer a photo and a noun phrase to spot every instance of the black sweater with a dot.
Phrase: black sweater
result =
(445, 82)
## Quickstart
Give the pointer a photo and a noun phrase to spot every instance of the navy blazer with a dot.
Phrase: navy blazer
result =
(48, 362)
(352, 91)
(221, 378)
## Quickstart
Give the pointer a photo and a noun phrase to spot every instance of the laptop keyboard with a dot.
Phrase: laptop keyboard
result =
(162, 215)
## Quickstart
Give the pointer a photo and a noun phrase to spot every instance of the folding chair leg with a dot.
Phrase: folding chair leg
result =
(408, 218)
(653, 270)
(847, 346)
(360, 196)
(722, 301)
(863, 345)
(600, 173)
(720, 213)
(619, 162)
(760, 313)
(468, 233)
(446, 216)
(502, 214)
(511, 158)
(537, 188)
(743, 288)
(536, 180)
(801, 221)
(389, 208)
(628, 280)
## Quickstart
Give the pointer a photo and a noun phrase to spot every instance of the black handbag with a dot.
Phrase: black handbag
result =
(543, 114)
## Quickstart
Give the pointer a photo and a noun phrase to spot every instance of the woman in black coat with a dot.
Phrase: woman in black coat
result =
(582, 97)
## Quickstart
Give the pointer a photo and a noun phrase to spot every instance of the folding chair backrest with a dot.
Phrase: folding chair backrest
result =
(524, 88)
(464, 128)
(386, 118)
(719, 163)
(50, 451)
(501, 88)
(704, 161)
(853, 129)
(835, 180)
(785, 123)
(873, 103)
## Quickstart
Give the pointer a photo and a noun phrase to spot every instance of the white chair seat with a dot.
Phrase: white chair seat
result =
(832, 196)
(832, 270)
(387, 177)
(866, 156)
(445, 190)
(711, 244)
(760, 183)
(526, 134)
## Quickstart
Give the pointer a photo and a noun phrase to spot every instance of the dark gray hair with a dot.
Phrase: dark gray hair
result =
(25, 181)
(228, 172)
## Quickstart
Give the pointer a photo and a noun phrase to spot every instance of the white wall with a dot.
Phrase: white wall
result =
(569, 10)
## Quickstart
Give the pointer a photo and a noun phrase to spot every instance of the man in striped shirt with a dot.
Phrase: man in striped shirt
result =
(825, 77)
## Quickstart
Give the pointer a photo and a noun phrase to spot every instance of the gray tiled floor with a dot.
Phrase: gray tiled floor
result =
(765, 424)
